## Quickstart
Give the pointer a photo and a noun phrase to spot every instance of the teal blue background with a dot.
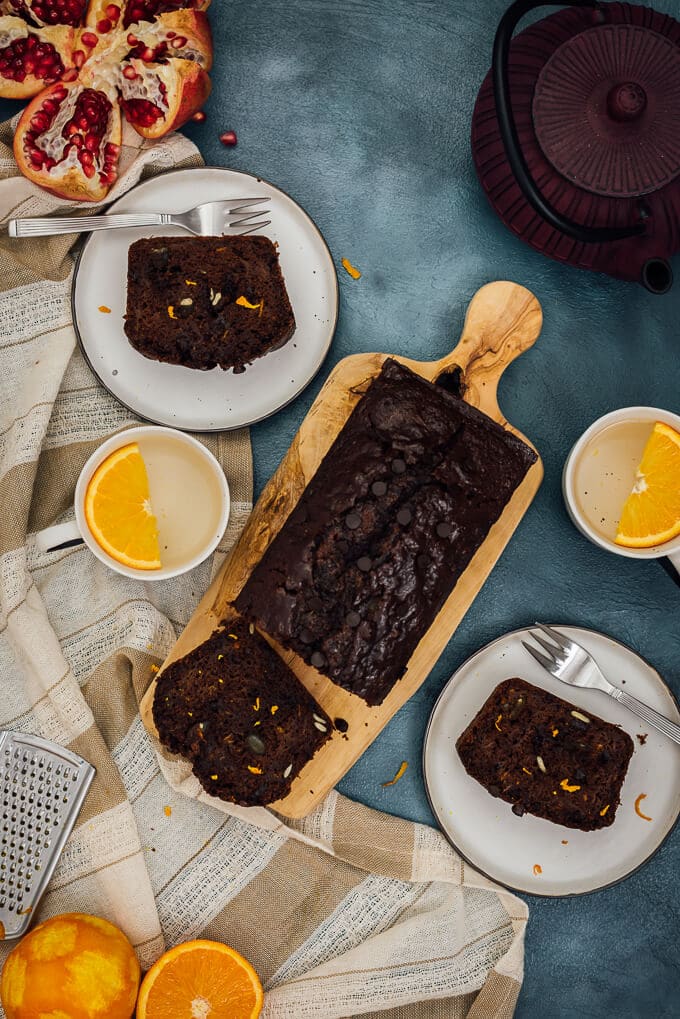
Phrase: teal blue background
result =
(361, 110)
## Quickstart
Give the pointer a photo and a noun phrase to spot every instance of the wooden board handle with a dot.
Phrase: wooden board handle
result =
(503, 320)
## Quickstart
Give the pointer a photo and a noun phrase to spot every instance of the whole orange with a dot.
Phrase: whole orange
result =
(73, 966)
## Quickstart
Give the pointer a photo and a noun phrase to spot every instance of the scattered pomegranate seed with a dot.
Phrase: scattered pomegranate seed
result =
(199, 116)
(89, 39)
(228, 138)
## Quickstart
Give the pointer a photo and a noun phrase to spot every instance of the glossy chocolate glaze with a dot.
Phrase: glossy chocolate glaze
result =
(397, 508)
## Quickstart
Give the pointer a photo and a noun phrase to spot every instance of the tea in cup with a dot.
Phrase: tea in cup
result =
(151, 503)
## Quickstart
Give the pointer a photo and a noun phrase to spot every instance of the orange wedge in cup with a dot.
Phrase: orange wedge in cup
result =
(118, 510)
(651, 513)
(200, 978)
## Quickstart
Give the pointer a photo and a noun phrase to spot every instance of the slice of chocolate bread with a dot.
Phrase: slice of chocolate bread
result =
(395, 512)
(206, 301)
(235, 710)
(547, 757)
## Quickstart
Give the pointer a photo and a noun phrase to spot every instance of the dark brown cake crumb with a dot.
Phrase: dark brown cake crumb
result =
(234, 709)
(395, 512)
(547, 757)
(206, 301)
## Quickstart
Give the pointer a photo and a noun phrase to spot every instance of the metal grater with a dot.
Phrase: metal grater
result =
(43, 787)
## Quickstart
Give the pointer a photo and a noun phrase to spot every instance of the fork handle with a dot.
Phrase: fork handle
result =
(646, 713)
(83, 224)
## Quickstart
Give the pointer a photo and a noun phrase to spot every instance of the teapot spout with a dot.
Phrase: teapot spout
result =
(656, 275)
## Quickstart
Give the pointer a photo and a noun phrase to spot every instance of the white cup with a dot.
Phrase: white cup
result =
(186, 454)
(670, 549)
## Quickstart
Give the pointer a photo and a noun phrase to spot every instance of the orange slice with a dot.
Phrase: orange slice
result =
(118, 510)
(651, 513)
(200, 980)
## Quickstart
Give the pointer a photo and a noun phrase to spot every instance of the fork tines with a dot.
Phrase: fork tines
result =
(244, 217)
(555, 650)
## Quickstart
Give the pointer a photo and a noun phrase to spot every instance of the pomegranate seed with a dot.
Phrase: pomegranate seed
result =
(40, 122)
(89, 39)
(113, 12)
(77, 139)
(104, 26)
(178, 41)
(112, 149)
(171, 35)
(132, 41)
(86, 158)
(91, 143)
(228, 138)
(70, 75)
(79, 58)
(129, 73)
(199, 116)
(147, 54)
(89, 171)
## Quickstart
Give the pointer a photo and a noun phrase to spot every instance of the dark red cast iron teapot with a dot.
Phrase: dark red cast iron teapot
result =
(576, 136)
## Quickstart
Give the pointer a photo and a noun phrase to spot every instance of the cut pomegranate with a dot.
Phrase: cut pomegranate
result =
(33, 59)
(68, 139)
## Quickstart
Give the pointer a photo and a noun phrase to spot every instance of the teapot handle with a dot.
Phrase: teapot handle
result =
(508, 132)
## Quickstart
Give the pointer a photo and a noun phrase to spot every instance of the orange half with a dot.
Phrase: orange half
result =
(651, 513)
(118, 510)
(200, 980)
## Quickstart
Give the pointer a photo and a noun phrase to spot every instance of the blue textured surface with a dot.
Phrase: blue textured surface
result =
(361, 110)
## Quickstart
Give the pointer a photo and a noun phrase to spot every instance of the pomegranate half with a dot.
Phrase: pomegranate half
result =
(88, 63)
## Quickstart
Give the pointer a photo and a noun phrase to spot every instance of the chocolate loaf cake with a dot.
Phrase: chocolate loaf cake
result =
(234, 709)
(396, 510)
(206, 301)
(547, 757)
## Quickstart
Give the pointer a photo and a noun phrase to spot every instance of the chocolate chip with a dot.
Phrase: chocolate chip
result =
(364, 564)
(341, 724)
(343, 546)
(404, 516)
(255, 744)
(423, 561)
(379, 488)
(443, 530)
(518, 809)
(352, 619)
(306, 636)
(353, 520)
(398, 465)
(318, 660)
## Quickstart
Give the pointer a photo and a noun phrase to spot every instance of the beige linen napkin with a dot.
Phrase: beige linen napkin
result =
(347, 913)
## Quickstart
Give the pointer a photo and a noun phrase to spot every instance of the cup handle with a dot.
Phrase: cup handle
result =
(59, 536)
(674, 560)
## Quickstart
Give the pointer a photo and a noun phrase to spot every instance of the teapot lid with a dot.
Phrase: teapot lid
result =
(606, 110)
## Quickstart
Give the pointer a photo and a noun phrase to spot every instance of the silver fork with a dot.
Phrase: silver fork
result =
(211, 219)
(569, 662)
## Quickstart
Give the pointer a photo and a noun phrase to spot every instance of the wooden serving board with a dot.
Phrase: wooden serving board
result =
(502, 321)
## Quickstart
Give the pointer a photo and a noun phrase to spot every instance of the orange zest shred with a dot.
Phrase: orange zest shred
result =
(256, 705)
(565, 842)
(104, 310)
(233, 636)
(400, 774)
(254, 770)
(564, 784)
(604, 810)
(496, 723)
(243, 302)
(214, 777)
(538, 869)
(527, 772)
(193, 283)
(274, 708)
(352, 270)
(642, 796)
(555, 732)
(171, 311)
(167, 811)
(154, 668)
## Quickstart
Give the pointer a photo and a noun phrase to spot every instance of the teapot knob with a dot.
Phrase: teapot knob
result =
(626, 101)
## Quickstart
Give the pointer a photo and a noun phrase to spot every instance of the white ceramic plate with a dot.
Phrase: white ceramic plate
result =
(185, 398)
(506, 848)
